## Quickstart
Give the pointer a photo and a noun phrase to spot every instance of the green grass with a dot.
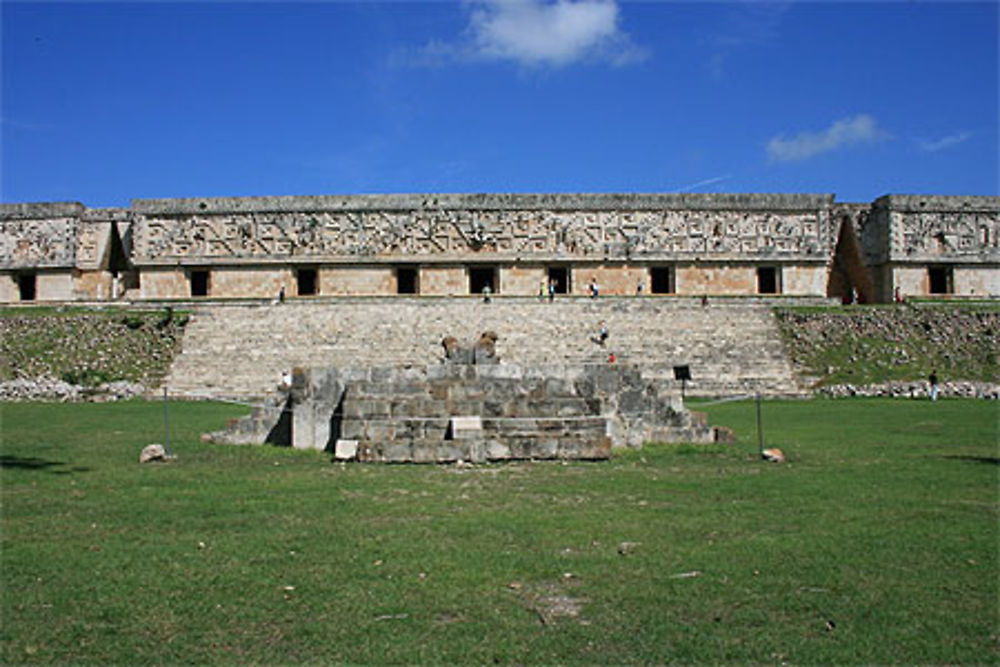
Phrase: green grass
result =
(875, 543)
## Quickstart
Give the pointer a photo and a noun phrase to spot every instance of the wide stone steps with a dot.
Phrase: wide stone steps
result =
(243, 350)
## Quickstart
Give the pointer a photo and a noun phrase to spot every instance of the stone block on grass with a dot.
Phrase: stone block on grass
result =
(345, 450)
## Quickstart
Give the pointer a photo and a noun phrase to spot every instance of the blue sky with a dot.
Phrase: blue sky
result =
(103, 103)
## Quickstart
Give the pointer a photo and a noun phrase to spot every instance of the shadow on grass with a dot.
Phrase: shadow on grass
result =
(34, 463)
(989, 460)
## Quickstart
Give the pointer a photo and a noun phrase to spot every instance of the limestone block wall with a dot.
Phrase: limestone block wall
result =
(977, 280)
(249, 281)
(62, 248)
(716, 279)
(54, 285)
(391, 414)
(909, 236)
(713, 243)
(444, 280)
(164, 283)
(612, 279)
(522, 279)
(94, 285)
(9, 290)
(47, 285)
(804, 279)
(363, 280)
(967, 281)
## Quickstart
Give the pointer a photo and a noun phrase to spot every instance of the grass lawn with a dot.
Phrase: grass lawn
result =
(876, 543)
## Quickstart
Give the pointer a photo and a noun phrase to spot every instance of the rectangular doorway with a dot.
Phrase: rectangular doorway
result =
(768, 280)
(559, 276)
(27, 286)
(940, 280)
(661, 280)
(200, 281)
(305, 282)
(407, 280)
(481, 277)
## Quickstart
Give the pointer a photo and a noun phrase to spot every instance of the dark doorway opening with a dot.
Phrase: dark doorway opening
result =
(406, 280)
(200, 283)
(27, 286)
(559, 276)
(768, 280)
(306, 282)
(481, 277)
(661, 280)
(281, 433)
(336, 425)
(940, 280)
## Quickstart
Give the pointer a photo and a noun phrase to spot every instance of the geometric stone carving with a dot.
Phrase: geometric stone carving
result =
(513, 233)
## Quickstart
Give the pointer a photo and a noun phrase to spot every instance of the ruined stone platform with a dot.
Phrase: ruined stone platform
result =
(448, 413)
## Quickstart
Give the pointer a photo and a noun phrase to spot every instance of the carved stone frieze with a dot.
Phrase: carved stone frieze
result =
(456, 233)
(946, 234)
(933, 228)
(34, 243)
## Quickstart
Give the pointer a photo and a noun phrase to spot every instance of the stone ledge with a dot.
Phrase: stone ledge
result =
(484, 202)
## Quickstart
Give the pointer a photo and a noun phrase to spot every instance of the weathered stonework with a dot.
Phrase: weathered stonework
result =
(685, 244)
(925, 244)
(514, 227)
(478, 413)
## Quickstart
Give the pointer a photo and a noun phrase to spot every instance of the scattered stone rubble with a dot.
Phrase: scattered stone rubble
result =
(961, 389)
(47, 388)
(958, 342)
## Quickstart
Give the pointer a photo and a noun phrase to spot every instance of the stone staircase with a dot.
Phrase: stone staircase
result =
(242, 350)
(463, 412)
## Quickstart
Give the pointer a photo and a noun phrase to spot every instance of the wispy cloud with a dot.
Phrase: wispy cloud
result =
(703, 183)
(934, 145)
(860, 129)
(538, 33)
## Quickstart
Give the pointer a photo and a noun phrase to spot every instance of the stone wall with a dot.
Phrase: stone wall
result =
(910, 236)
(933, 228)
(35, 236)
(713, 243)
(448, 413)
(514, 227)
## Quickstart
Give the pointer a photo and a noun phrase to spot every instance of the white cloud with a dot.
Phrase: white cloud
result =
(538, 33)
(844, 132)
(932, 146)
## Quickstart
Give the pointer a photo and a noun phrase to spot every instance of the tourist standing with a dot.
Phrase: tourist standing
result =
(933, 380)
(602, 333)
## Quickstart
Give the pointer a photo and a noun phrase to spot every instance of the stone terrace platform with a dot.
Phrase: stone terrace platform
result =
(242, 350)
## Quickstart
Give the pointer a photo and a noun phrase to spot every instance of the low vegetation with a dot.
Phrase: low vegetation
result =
(874, 543)
(86, 346)
(874, 344)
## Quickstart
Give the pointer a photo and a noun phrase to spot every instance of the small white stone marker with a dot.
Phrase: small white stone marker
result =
(346, 450)
(465, 428)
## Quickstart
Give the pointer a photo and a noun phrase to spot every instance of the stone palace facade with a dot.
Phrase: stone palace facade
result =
(514, 244)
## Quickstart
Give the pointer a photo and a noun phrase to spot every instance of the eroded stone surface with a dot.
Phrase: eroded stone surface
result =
(477, 413)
